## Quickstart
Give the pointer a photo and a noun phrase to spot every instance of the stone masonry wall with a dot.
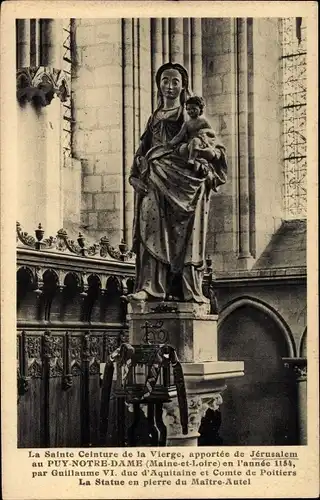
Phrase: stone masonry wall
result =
(97, 93)
(266, 117)
(218, 92)
(264, 144)
(98, 105)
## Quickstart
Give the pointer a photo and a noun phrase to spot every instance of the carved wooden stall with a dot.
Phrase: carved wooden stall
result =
(71, 314)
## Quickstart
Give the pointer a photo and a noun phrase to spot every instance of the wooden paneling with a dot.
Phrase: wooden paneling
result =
(60, 403)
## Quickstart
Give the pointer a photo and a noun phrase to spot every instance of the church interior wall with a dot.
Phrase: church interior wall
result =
(286, 299)
(97, 95)
(258, 408)
(252, 119)
(112, 96)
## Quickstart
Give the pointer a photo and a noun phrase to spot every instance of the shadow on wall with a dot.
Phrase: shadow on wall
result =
(261, 407)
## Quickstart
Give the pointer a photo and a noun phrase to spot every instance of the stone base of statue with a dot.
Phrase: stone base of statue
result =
(192, 331)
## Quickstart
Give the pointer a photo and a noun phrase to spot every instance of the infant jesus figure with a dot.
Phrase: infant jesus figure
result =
(196, 135)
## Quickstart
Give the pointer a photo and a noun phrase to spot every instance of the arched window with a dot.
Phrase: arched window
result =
(294, 74)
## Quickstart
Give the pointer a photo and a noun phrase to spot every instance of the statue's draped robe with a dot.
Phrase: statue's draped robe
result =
(170, 221)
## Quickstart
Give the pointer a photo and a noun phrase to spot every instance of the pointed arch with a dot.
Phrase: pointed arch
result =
(26, 271)
(268, 310)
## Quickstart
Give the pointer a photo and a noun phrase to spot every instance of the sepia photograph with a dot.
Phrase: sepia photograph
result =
(183, 140)
(161, 247)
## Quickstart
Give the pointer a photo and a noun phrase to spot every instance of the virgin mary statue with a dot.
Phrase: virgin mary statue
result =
(171, 202)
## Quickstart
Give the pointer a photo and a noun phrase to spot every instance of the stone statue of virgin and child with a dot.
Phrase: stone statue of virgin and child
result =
(175, 169)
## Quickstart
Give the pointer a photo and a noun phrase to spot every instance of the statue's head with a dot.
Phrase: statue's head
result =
(172, 79)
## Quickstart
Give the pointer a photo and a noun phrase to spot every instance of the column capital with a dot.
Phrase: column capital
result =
(197, 408)
(298, 366)
(41, 83)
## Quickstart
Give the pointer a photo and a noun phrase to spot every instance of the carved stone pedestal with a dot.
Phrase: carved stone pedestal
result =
(192, 331)
(188, 327)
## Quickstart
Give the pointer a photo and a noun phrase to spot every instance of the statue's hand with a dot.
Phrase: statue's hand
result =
(139, 186)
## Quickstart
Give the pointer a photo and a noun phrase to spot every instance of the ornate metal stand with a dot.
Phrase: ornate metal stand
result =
(147, 376)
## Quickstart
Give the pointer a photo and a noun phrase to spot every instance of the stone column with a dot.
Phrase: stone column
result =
(51, 43)
(302, 402)
(145, 79)
(35, 28)
(196, 55)
(299, 368)
(192, 331)
(156, 55)
(187, 43)
(176, 39)
(244, 256)
(165, 40)
(23, 43)
(136, 81)
(128, 125)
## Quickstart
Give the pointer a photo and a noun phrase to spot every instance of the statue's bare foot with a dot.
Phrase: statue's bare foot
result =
(141, 295)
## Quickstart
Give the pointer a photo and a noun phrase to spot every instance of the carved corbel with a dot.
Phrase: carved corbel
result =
(84, 297)
(298, 366)
(61, 277)
(211, 402)
(84, 285)
(104, 282)
(40, 84)
(39, 272)
(124, 286)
